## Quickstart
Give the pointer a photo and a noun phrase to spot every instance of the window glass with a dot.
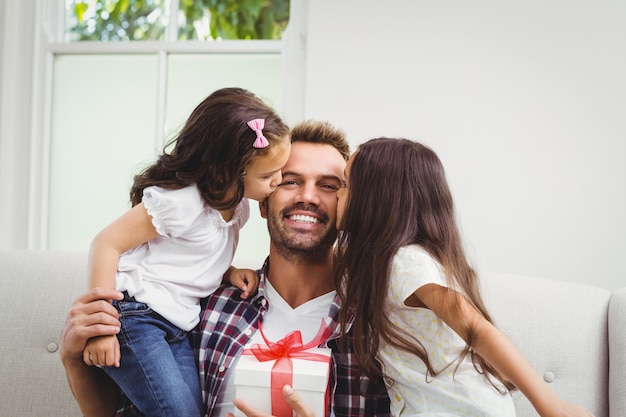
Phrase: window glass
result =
(233, 19)
(192, 77)
(115, 20)
(102, 133)
(136, 20)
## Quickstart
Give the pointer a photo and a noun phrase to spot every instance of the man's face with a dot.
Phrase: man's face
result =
(301, 212)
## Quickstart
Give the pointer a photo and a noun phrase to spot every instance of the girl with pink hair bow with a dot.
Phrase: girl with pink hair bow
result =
(176, 244)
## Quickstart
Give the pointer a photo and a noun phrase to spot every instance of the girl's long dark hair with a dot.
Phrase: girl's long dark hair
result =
(213, 148)
(398, 196)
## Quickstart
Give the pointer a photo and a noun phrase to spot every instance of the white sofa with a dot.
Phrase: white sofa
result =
(574, 335)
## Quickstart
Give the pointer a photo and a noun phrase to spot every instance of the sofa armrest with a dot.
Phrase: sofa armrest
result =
(617, 353)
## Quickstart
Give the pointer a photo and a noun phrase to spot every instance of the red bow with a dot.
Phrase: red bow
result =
(283, 351)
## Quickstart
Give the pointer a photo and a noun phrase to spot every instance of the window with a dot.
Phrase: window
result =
(127, 20)
(111, 104)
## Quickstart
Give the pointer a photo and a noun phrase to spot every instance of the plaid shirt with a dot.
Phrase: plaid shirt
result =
(227, 323)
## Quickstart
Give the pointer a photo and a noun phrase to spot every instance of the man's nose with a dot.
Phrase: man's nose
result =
(309, 194)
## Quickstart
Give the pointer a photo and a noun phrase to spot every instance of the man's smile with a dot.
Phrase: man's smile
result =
(301, 218)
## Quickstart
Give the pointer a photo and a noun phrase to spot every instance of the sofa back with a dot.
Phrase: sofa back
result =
(37, 291)
(562, 329)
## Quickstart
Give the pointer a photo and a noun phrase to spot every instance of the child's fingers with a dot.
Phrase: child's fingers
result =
(95, 358)
(245, 292)
(87, 358)
(110, 359)
(253, 281)
(242, 285)
(118, 355)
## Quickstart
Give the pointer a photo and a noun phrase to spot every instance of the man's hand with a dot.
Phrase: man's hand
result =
(91, 315)
(293, 399)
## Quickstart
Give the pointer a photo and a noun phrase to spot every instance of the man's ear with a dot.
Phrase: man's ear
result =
(263, 208)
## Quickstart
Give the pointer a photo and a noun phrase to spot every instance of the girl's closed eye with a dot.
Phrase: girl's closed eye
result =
(269, 175)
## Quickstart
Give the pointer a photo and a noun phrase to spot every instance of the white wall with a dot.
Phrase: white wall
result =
(524, 101)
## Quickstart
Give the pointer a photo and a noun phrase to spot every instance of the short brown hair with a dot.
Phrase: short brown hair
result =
(319, 131)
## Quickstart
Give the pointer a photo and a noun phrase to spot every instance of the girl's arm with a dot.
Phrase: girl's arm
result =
(496, 348)
(130, 230)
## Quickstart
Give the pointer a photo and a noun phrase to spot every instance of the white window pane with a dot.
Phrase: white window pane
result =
(103, 131)
(193, 77)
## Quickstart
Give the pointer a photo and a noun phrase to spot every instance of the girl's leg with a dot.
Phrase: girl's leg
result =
(150, 374)
(186, 359)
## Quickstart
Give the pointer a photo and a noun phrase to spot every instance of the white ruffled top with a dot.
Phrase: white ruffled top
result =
(187, 261)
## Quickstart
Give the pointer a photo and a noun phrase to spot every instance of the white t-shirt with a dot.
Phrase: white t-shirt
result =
(279, 320)
(187, 261)
(464, 393)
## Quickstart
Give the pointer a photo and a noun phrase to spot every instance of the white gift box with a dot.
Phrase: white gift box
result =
(309, 380)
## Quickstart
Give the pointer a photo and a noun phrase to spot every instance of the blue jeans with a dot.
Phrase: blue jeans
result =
(158, 371)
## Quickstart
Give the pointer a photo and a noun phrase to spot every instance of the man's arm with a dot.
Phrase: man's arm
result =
(91, 315)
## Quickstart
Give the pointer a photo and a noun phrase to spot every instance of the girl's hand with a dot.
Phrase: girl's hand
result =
(564, 409)
(247, 280)
(102, 351)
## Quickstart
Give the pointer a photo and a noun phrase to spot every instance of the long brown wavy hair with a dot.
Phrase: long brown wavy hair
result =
(213, 148)
(398, 196)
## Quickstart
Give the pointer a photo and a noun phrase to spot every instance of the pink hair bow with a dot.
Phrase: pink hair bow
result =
(257, 125)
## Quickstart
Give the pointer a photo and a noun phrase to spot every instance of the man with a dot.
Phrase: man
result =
(296, 292)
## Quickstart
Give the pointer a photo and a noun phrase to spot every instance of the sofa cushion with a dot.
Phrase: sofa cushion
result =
(566, 331)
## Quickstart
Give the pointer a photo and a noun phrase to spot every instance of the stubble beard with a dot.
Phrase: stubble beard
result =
(300, 247)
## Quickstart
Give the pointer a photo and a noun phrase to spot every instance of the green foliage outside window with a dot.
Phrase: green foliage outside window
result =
(134, 20)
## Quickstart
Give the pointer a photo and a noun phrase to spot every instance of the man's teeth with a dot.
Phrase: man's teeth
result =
(303, 219)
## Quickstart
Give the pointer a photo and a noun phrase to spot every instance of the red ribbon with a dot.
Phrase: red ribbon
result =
(282, 352)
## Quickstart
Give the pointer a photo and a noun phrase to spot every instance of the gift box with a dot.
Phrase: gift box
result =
(262, 371)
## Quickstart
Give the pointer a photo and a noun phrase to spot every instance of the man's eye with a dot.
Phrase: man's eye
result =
(287, 182)
(330, 187)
